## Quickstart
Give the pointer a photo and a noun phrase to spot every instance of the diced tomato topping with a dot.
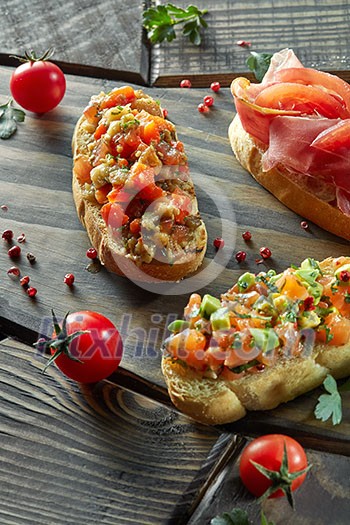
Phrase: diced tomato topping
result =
(189, 346)
(101, 193)
(117, 194)
(135, 226)
(118, 97)
(124, 145)
(150, 132)
(338, 330)
(113, 215)
(123, 163)
(100, 151)
(289, 285)
(142, 179)
(100, 130)
(183, 204)
(82, 169)
(91, 114)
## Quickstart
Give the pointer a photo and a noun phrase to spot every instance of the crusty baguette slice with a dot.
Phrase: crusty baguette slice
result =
(249, 153)
(111, 252)
(218, 400)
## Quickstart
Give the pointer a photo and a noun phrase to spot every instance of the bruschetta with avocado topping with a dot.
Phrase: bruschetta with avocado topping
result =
(132, 188)
(268, 339)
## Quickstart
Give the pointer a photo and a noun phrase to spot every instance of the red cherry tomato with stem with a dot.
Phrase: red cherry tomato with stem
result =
(280, 454)
(38, 85)
(87, 347)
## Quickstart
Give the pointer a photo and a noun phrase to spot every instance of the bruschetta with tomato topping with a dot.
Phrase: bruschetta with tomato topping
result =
(291, 132)
(268, 339)
(133, 190)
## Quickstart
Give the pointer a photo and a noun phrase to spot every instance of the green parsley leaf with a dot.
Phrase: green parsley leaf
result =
(264, 520)
(234, 517)
(259, 64)
(9, 117)
(160, 22)
(329, 405)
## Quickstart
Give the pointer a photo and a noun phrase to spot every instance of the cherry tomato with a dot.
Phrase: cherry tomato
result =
(99, 352)
(38, 85)
(268, 451)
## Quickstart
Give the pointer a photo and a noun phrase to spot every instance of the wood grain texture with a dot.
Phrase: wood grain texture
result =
(317, 30)
(93, 38)
(322, 499)
(93, 455)
(35, 184)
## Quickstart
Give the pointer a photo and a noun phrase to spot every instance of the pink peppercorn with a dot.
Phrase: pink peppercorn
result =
(91, 253)
(69, 279)
(219, 243)
(215, 86)
(208, 101)
(7, 235)
(31, 291)
(14, 252)
(202, 108)
(247, 236)
(14, 271)
(185, 83)
(240, 256)
(265, 252)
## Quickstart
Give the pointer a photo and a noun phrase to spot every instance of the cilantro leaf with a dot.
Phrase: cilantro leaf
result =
(161, 20)
(259, 63)
(234, 517)
(329, 405)
(9, 117)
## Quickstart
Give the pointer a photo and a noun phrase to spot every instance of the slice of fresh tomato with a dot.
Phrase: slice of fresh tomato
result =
(335, 138)
(82, 168)
(255, 119)
(334, 85)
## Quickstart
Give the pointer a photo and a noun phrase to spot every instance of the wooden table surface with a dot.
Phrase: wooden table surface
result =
(118, 452)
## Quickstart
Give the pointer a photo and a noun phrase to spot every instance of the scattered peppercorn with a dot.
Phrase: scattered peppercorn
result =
(25, 280)
(344, 276)
(219, 243)
(91, 253)
(185, 83)
(31, 291)
(14, 252)
(69, 279)
(4, 207)
(215, 86)
(243, 43)
(14, 271)
(241, 256)
(265, 252)
(202, 108)
(165, 113)
(208, 101)
(21, 238)
(31, 258)
(304, 225)
(7, 235)
(247, 236)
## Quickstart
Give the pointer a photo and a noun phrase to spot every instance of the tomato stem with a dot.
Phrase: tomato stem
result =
(280, 479)
(30, 56)
(61, 342)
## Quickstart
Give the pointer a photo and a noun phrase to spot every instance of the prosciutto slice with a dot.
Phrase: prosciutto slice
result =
(302, 116)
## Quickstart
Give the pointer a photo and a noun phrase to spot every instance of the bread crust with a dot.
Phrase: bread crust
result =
(108, 251)
(249, 153)
(219, 400)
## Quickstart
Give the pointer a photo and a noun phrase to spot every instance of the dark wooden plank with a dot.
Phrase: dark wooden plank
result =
(317, 30)
(90, 38)
(35, 183)
(322, 499)
(94, 454)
